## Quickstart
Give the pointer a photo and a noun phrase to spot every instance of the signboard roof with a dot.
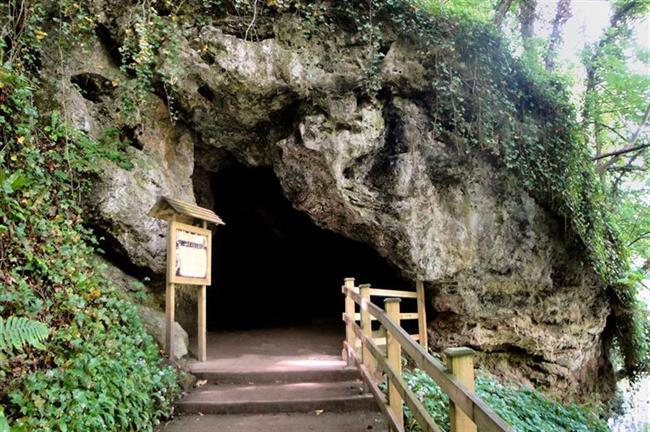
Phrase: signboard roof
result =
(165, 207)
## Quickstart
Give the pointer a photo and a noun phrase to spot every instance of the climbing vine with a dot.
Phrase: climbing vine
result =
(150, 52)
(484, 98)
(98, 369)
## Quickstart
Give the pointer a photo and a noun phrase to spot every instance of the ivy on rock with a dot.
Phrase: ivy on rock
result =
(99, 369)
(484, 99)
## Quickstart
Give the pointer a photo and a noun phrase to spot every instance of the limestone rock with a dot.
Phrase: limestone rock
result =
(162, 152)
(502, 275)
(154, 322)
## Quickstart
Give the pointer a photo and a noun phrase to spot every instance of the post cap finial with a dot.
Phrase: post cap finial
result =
(459, 352)
(393, 300)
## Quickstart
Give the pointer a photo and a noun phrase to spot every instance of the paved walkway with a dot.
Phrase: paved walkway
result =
(284, 379)
(273, 350)
(292, 422)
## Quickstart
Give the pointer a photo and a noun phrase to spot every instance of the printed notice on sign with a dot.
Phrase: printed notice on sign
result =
(191, 254)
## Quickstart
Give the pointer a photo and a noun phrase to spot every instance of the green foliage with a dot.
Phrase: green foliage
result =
(475, 10)
(4, 425)
(524, 409)
(615, 102)
(618, 90)
(100, 369)
(16, 332)
(633, 218)
(150, 49)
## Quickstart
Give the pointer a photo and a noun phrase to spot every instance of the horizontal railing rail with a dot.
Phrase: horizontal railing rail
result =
(404, 316)
(467, 410)
(378, 292)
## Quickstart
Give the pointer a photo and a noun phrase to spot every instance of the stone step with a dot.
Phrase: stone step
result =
(357, 421)
(304, 397)
(321, 374)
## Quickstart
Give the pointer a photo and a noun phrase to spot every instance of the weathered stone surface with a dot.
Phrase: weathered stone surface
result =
(502, 277)
(154, 322)
(122, 198)
(162, 153)
(501, 274)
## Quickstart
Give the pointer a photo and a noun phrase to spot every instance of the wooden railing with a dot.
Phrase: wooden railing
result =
(467, 411)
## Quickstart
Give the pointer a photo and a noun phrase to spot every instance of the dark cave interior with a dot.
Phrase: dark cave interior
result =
(272, 265)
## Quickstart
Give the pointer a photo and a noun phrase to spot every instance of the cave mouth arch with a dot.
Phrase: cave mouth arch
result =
(272, 265)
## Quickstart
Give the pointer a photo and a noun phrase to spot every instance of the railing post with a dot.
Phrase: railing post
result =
(366, 327)
(422, 316)
(349, 332)
(460, 362)
(394, 354)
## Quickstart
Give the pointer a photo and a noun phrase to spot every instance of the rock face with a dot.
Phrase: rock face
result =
(162, 152)
(501, 274)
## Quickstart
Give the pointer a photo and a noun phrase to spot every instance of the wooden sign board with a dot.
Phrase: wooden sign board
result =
(191, 257)
(189, 260)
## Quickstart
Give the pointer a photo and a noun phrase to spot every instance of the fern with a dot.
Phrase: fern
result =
(16, 332)
(4, 424)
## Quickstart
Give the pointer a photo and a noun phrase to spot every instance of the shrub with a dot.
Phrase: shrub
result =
(525, 410)
(100, 370)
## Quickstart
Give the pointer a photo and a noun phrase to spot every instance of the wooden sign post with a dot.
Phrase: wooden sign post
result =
(189, 260)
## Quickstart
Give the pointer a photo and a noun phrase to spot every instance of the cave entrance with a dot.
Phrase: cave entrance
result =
(273, 267)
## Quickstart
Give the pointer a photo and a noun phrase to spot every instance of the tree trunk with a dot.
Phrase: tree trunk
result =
(527, 9)
(500, 12)
(562, 15)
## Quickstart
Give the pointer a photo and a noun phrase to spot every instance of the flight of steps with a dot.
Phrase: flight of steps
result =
(323, 399)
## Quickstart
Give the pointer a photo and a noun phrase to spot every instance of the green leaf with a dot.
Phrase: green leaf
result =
(15, 181)
(61, 175)
(4, 424)
(16, 332)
